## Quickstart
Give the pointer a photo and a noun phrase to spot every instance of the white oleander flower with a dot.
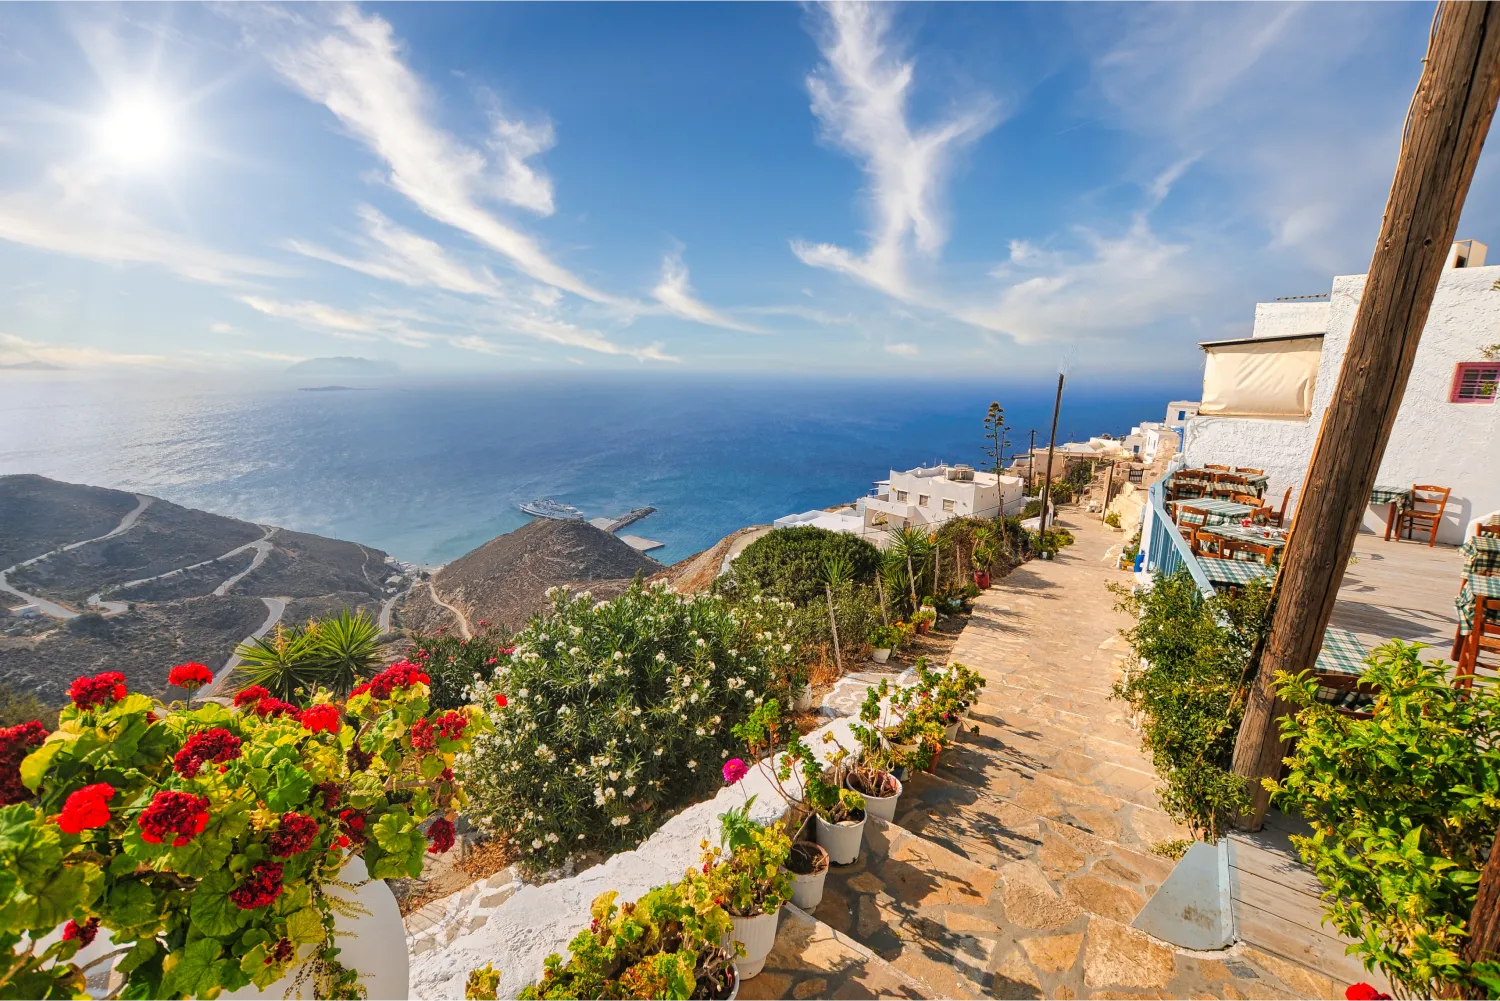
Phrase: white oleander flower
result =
(629, 791)
(536, 843)
(692, 764)
(700, 731)
(573, 651)
(614, 776)
(661, 658)
(522, 694)
(635, 711)
(702, 642)
(693, 697)
(657, 752)
(619, 821)
(553, 839)
(619, 655)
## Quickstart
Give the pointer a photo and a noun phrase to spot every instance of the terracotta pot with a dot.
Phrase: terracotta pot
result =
(932, 765)
(982, 579)
(758, 934)
(881, 807)
(841, 840)
(882, 655)
(922, 628)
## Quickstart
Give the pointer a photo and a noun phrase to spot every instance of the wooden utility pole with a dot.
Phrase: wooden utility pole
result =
(1031, 462)
(1484, 921)
(1445, 130)
(1109, 484)
(1051, 444)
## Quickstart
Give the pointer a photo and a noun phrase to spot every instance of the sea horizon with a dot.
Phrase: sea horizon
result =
(427, 468)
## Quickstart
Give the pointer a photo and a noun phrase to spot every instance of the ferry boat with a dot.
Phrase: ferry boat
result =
(550, 509)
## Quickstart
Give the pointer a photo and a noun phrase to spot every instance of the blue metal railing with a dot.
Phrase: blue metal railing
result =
(1162, 544)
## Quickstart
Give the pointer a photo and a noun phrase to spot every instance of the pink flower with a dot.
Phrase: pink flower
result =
(734, 770)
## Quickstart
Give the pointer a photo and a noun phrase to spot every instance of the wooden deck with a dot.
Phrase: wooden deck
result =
(1395, 590)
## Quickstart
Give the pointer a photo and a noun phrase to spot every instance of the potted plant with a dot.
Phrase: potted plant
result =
(667, 944)
(808, 864)
(923, 619)
(873, 775)
(885, 639)
(839, 814)
(748, 874)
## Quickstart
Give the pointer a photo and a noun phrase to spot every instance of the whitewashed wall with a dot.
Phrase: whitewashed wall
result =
(1433, 441)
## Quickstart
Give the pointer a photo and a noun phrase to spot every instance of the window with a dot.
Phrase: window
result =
(922, 500)
(947, 505)
(1182, 415)
(1137, 449)
(900, 496)
(1475, 382)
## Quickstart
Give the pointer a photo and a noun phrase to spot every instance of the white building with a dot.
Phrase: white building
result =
(1264, 396)
(1147, 440)
(1179, 412)
(932, 494)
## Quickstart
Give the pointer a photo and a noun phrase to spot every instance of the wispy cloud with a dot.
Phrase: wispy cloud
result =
(15, 350)
(903, 350)
(353, 65)
(860, 95)
(397, 254)
(344, 324)
(675, 292)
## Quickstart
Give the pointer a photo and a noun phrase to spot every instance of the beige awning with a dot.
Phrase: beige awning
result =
(1261, 376)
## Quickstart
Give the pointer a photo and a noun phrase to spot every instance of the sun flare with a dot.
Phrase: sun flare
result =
(138, 131)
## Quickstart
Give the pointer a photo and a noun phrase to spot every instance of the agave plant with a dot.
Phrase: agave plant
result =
(334, 654)
(908, 558)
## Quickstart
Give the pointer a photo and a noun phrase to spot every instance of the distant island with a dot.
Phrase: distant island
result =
(343, 367)
(33, 366)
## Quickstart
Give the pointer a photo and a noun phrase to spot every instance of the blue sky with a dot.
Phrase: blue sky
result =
(967, 189)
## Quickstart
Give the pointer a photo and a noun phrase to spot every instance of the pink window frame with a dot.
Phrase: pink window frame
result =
(1458, 378)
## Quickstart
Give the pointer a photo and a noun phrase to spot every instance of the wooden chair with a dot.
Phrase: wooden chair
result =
(1262, 515)
(1210, 465)
(1427, 506)
(1250, 499)
(1482, 641)
(1279, 518)
(1487, 530)
(1252, 472)
(1226, 485)
(1229, 547)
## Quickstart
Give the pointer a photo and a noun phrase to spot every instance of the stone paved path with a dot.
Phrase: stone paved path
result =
(1015, 869)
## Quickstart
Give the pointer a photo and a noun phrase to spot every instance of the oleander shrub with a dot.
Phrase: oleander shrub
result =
(202, 840)
(454, 664)
(789, 563)
(1188, 679)
(1403, 809)
(612, 714)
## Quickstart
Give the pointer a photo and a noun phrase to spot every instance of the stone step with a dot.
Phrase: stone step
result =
(968, 931)
(812, 960)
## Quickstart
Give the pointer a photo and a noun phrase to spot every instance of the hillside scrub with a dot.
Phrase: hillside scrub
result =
(1191, 662)
(789, 563)
(610, 715)
(454, 664)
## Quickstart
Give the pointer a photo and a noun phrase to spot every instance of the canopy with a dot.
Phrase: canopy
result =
(1261, 376)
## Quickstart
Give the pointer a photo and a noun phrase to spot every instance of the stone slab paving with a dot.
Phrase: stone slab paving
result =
(811, 960)
(1015, 869)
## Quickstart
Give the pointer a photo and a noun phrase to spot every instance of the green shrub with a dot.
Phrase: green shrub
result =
(454, 664)
(1188, 678)
(1112, 519)
(1403, 809)
(618, 713)
(789, 563)
(1032, 509)
(22, 707)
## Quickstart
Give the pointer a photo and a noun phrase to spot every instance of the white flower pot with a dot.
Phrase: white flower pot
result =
(882, 807)
(802, 705)
(841, 840)
(881, 656)
(758, 935)
(807, 891)
(950, 732)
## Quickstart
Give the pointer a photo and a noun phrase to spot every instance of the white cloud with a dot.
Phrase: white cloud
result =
(340, 323)
(676, 294)
(573, 336)
(355, 69)
(111, 235)
(904, 350)
(221, 328)
(397, 254)
(274, 356)
(859, 95)
(18, 350)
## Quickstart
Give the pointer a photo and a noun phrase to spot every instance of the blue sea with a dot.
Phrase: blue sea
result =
(429, 470)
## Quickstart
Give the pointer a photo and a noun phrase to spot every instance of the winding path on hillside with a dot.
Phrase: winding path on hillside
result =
(56, 609)
(276, 607)
(262, 549)
(463, 620)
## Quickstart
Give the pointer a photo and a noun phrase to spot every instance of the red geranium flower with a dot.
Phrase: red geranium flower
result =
(323, 716)
(249, 696)
(422, 736)
(259, 888)
(271, 707)
(84, 933)
(282, 952)
(402, 674)
(15, 743)
(296, 834)
(354, 824)
(452, 724)
(87, 692)
(1364, 992)
(360, 689)
(190, 675)
(501, 701)
(330, 793)
(217, 745)
(85, 808)
(174, 813)
(440, 836)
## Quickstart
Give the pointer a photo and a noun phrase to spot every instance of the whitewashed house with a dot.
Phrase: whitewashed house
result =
(930, 495)
(1264, 396)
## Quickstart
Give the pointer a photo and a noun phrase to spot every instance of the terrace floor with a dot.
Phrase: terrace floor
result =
(1402, 590)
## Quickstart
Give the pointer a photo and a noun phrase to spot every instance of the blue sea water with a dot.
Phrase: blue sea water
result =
(428, 471)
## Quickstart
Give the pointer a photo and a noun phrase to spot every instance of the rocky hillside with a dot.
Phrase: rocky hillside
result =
(136, 584)
(506, 579)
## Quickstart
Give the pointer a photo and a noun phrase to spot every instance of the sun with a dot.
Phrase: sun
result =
(138, 131)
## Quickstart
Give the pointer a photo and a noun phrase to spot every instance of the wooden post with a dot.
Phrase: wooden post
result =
(1051, 444)
(1109, 483)
(880, 590)
(838, 657)
(1449, 117)
(1484, 921)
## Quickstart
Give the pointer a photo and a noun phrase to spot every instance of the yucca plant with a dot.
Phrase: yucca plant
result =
(334, 654)
(349, 646)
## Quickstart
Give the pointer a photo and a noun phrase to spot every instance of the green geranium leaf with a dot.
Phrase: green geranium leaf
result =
(29, 846)
(37, 762)
(131, 903)
(211, 909)
(389, 867)
(289, 788)
(53, 902)
(305, 927)
(394, 832)
(198, 970)
(143, 950)
(432, 766)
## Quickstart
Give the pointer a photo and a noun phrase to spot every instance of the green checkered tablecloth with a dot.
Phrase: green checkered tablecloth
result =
(1215, 512)
(1342, 653)
(1202, 479)
(1385, 495)
(1481, 554)
(1258, 482)
(1475, 584)
(1276, 540)
(1233, 571)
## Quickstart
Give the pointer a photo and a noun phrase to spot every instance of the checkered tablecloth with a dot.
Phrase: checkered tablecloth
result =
(1258, 482)
(1342, 653)
(1475, 584)
(1385, 495)
(1202, 479)
(1276, 541)
(1233, 571)
(1481, 554)
(1215, 512)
